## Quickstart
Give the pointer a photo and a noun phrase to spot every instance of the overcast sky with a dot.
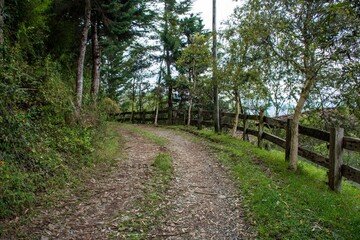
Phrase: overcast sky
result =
(224, 9)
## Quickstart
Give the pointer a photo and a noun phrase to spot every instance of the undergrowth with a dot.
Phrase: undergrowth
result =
(283, 204)
(102, 150)
(48, 159)
(40, 143)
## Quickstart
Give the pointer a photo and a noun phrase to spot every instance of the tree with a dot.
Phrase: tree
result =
(196, 59)
(191, 25)
(158, 93)
(170, 39)
(304, 35)
(241, 68)
(81, 58)
(96, 58)
(113, 24)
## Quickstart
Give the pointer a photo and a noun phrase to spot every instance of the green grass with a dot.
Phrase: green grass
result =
(108, 145)
(284, 204)
(107, 150)
(137, 225)
(163, 163)
(146, 134)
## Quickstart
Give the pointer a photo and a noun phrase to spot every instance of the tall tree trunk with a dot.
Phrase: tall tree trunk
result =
(310, 78)
(157, 111)
(214, 77)
(294, 142)
(170, 90)
(96, 52)
(133, 102)
(158, 95)
(141, 101)
(80, 63)
(189, 112)
(237, 111)
(192, 77)
(2, 25)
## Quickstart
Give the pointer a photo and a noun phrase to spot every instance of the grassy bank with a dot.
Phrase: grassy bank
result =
(284, 204)
(73, 169)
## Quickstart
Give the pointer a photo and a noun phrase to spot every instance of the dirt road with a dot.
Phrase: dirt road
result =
(202, 201)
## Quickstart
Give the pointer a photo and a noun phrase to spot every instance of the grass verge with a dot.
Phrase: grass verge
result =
(137, 224)
(107, 149)
(284, 204)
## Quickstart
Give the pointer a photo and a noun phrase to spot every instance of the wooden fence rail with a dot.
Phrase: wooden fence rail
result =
(336, 139)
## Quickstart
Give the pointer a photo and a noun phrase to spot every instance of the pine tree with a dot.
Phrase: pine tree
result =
(170, 38)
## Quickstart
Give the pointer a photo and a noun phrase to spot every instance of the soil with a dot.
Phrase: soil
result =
(202, 201)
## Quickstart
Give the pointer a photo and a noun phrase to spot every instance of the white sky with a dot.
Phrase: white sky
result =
(224, 9)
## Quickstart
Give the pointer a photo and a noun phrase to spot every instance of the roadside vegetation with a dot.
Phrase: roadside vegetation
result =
(34, 189)
(283, 204)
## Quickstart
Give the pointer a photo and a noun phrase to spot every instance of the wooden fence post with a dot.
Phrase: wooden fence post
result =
(132, 116)
(288, 139)
(245, 136)
(335, 157)
(200, 119)
(261, 128)
(143, 116)
(220, 119)
(185, 117)
(170, 116)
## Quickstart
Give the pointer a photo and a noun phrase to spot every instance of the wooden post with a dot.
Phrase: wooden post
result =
(200, 119)
(132, 116)
(335, 157)
(143, 117)
(185, 117)
(261, 128)
(288, 139)
(245, 136)
(220, 119)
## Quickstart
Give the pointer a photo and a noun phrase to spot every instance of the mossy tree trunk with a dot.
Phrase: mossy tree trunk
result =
(96, 52)
(81, 58)
(294, 141)
(237, 112)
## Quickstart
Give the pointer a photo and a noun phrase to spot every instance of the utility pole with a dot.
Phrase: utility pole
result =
(214, 75)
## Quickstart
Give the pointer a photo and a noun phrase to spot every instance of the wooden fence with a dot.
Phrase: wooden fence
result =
(336, 139)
